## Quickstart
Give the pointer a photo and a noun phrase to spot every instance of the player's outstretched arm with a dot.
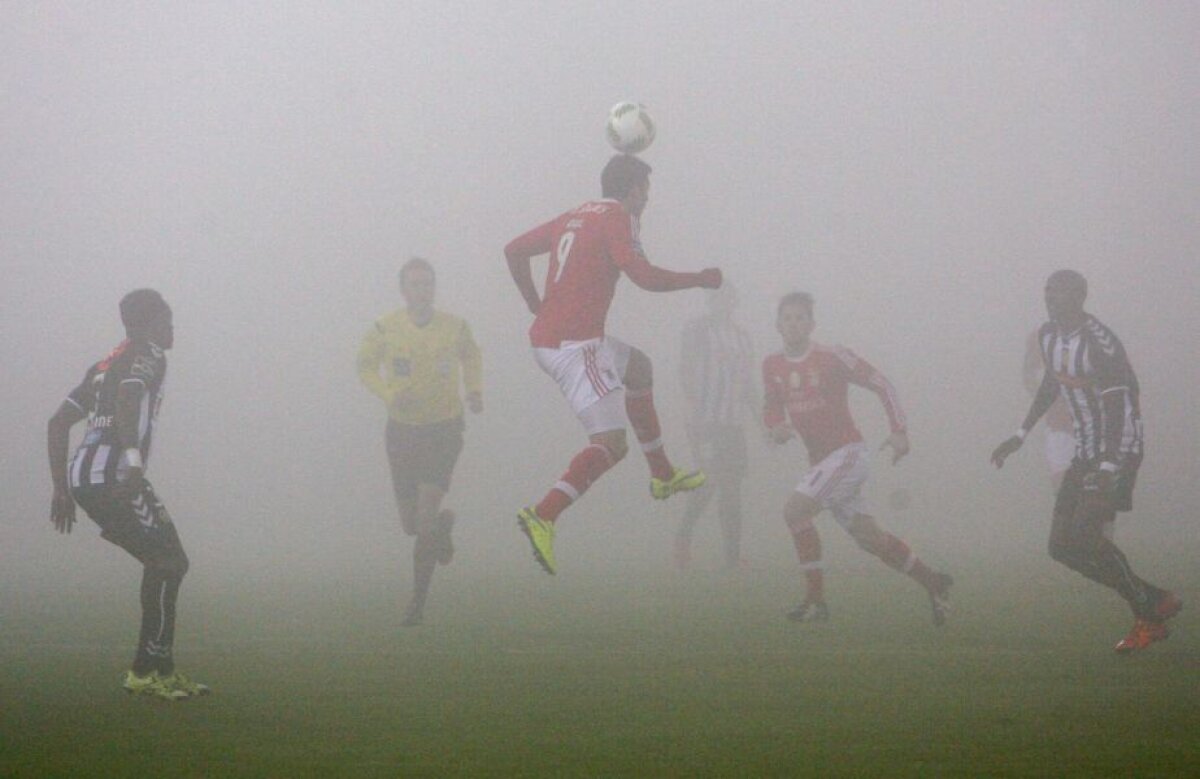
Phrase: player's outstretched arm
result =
(655, 279)
(1042, 401)
(58, 435)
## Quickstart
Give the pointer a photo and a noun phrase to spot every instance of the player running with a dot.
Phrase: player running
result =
(805, 388)
(421, 351)
(605, 380)
(120, 396)
(1086, 365)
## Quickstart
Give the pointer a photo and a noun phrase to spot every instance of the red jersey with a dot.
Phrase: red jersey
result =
(589, 248)
(812, 390)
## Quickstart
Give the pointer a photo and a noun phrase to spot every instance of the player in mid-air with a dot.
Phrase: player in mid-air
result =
(120, 397)
(1086, 365)
(806, 387)
(606, 381)
(422, 352)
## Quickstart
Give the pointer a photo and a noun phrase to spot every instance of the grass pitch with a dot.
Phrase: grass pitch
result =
(654, 675)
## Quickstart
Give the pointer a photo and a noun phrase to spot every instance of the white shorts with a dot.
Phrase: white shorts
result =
(836, 482)
(1060, 450)
(590, 375)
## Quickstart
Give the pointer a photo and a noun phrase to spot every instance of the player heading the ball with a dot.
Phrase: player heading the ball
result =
(607, 382)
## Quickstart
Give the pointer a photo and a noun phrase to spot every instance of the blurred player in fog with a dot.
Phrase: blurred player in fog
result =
(716, 368)
(805, 387)
(120, 397)
(1086, 366)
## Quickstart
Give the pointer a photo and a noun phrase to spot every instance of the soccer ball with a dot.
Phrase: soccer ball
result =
(630, 129)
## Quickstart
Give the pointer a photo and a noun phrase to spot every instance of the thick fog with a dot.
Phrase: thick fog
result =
(920, 168)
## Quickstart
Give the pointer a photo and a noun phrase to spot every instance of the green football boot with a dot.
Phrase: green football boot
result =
(680, 481)
(541, 537)
(186, 685)
(151, 686)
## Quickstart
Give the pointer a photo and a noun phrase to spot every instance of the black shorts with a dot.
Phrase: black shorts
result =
(423, 454)
(139, 524)
(720, 449)
(1071, 489)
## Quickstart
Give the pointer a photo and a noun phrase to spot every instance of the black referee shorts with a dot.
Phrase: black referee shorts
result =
(139, 524)
(423, 454)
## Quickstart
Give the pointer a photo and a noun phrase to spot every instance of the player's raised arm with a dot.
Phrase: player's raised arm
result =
(519, 252)
(58, 435)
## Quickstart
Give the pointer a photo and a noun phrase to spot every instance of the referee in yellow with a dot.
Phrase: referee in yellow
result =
(414, 359)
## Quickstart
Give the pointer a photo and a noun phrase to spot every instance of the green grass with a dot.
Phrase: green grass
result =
(520, 674)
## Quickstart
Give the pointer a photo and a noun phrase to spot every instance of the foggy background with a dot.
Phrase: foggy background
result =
(919, 168)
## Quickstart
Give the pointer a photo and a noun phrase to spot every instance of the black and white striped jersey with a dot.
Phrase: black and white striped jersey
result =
(716, 368)
(98, 459)
(1098, 385)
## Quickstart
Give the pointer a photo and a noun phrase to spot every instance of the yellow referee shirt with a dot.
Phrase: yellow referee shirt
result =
(421, 366)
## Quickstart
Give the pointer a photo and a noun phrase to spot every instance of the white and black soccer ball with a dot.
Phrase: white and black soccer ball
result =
(630, 129)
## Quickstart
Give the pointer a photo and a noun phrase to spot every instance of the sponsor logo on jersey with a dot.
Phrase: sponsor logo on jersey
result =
(100, 422)
(593, 208)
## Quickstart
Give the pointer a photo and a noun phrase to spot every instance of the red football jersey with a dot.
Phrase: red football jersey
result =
(589, 247)
(812, 391)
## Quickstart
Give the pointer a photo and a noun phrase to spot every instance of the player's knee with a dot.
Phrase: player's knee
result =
(614, 442)
(865, 533)
(799, 511)
(169, 565)
(1063, 551)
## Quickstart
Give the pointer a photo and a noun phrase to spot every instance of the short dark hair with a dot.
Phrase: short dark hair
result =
(622, 173)
(1071, 279)
(416, 263)
(802, 299)
(141, 306)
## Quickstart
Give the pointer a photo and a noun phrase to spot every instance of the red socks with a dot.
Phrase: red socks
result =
(639, 406)
(587, 466)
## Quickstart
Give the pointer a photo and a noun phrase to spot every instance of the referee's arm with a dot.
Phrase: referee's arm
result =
(370, 355)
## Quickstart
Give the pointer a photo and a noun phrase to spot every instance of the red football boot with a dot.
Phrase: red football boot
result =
(1144, 634)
